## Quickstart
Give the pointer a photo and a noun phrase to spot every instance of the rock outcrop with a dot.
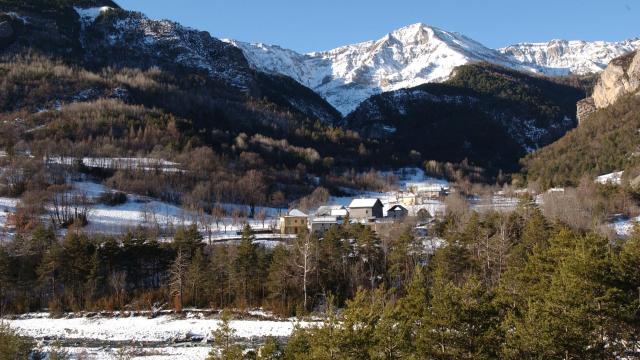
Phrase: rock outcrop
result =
(620, 78)
(584, 108)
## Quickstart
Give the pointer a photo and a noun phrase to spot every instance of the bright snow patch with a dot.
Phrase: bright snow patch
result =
(164, 328)
(624, 227)
(614, 178)
(89, 15)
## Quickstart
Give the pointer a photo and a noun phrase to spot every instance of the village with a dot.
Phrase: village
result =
(421, 203)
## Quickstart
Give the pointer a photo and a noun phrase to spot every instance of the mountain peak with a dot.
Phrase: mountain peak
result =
(416, 54)
(415, 32)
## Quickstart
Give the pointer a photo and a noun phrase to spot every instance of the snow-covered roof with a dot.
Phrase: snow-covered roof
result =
(397, 207)
(296, 212)
(325, 220)
(339, 212)
(330, 210)
(363, 203)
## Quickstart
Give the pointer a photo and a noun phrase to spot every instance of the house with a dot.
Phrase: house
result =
(407, 198)
(429, 190)
(365, 209)
(397, 212)
(320, 225)
(295, 222)
(338, 211)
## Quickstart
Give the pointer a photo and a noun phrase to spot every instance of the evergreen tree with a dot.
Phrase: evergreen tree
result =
(412, 309)
(370, 264)
(245, 267)
(279, 279)
(403, 258)
(196, 274)
(5, 277)
(224, 340)
(12, 346)
(298, 345)
(56, 352)
(188, 239)
(270, 350)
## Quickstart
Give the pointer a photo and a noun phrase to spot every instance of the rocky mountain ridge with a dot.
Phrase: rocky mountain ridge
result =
(418, 54)
(563, 57)
(619, 79)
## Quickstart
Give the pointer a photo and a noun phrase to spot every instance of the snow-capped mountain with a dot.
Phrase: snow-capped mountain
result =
(562, 57)
(418, 54)
(346, 76)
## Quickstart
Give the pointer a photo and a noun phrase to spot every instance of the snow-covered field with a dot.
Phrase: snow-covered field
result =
(190, 352)
(162, 337)
(143, 211)
(147, 164)
(164, 328)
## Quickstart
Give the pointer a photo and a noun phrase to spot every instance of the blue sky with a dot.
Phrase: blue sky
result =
(308, 25)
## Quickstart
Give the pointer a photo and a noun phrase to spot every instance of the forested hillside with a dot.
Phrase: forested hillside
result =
(487, 114)
(606, 141)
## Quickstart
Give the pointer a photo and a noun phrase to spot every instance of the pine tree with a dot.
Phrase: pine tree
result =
(411, 311)
(188, 240)
(49, 273)
(298, 345)
(279, 278)
(326, 342)
(357, 323)
(4, 279)
(56, 352)
(370, 257)
(402, 259)
(245, 267)
(224, 340)
(389, 342)
(270, 350)
(196, 278)
(12, 346)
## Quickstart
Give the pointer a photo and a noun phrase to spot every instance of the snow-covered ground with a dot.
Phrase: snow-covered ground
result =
(148, 164)
(7, 206)
(142, 211)
(164, 328)
(162, 337)
(623, 227)
(185, 352)
(614, 178)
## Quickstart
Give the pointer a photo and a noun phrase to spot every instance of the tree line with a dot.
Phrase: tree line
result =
(502, 286)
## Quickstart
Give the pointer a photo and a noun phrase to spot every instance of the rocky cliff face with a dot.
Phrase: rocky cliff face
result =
(620, 78)
(584, 108)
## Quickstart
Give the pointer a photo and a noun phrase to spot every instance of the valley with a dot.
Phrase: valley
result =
(169, 194)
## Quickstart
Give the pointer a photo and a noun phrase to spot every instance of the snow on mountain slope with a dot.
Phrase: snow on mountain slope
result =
(562, 57)
(407, 57)
(418, 54)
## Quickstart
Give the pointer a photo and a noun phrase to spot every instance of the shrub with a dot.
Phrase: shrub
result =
(113, 198)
